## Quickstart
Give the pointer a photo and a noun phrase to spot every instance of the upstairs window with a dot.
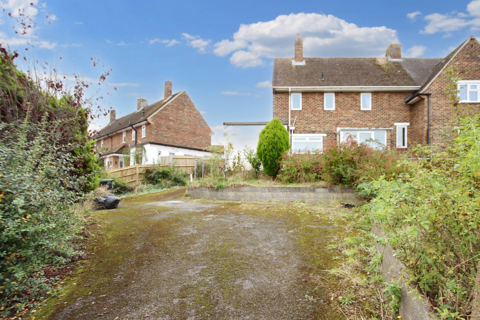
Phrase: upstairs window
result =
(296, 103)
(329, 101)
(143, 131)
(469, 91)
(101, 143)
(366, 101)
(133, 135)
(124, 136)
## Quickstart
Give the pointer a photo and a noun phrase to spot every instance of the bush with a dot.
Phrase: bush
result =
(272, 144)
(121, 187)
(300, 168)
(253, 160)
(37, 223)
(432, 221)
(347, 164)
(166, 177)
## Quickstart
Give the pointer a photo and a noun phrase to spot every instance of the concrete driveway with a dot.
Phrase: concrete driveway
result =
(165, 256)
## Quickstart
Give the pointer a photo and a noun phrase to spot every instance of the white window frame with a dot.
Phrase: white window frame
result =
(291, 101)
(124, 136)
(469, 83)
(101, 143)
(400, 126)
(133, 135)
(325, 101)
(144, 131)
(308, 135)
(361, 100)
(342, 133)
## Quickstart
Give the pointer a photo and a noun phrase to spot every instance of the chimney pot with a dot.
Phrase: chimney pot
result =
(141, 103)
(168, 90)
(113, 115)
(298, 49)
(394, 51)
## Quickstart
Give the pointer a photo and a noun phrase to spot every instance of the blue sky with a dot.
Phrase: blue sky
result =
(221, 52)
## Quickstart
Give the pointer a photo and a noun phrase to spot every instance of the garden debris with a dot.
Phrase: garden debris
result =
(109, 202)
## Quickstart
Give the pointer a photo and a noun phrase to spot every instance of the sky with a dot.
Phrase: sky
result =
(221, 52)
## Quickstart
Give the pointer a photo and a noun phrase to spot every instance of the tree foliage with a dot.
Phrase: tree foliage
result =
(272, 144)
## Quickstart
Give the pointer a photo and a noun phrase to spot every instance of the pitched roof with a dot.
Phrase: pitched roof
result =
(351, 72)
(134, 117)
(116, 150)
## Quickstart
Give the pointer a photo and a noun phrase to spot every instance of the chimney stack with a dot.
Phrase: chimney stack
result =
(113, 115)
(168, 90)
(141, 103)
(298, 49)
(394, 52)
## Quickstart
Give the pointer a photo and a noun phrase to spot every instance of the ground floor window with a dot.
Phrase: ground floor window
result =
(375, 138)
(402, 134)
(307, 142)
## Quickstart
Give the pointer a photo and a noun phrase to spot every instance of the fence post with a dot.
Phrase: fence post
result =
(136, 174)
(203, 165)
(171, 161)
(195, 169)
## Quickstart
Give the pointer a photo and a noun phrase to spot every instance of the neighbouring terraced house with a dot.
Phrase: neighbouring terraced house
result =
(395, 100)
(171, 126)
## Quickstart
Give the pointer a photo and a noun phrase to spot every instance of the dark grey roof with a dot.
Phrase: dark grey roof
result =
(341, 72)
(419, 68)
(134, 117)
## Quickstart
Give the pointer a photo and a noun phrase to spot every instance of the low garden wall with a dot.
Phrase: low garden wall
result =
(411, 308)
(278, 194)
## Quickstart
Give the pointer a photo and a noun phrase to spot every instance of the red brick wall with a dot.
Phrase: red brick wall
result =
(387, 108)
(178, 123)
(442, 114)
(417, 132)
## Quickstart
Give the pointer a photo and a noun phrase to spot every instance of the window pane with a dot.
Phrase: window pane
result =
(315, 139)
(463, 93)
(349, 135)
(380, 139)
(366, 101)
(299, 139)
(303, 146)
(401, 136)
(296, 99)
(329, 98)
(473, 95)
(364, 136)
(473, 87)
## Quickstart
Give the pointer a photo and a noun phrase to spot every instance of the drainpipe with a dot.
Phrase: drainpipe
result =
(130, 124)
(428, 115)
(289, 112)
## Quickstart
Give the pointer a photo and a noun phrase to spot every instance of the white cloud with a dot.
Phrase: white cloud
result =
(121, 43)
(264, 84)
(15, 42)
(77, 45)
(234, 93)
(203, 112)
(52, 17)
(21, 6)
(413, 15)
(324, 35)
(416, 51)
(79, 23)
(197, 42)
(169, 43)
(108, 41)
(448, 23)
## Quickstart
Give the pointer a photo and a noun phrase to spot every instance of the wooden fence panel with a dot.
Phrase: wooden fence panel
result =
(134, 175)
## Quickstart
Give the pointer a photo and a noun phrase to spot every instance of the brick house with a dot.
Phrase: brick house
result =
(171, 126)
(394, 100)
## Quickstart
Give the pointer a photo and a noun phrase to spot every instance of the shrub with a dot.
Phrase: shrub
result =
(166, 177)
(272, 144)
(121, 187)
(253, 160)
(299, 168)
(37, 223)
(432, 220)
(348, 164)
